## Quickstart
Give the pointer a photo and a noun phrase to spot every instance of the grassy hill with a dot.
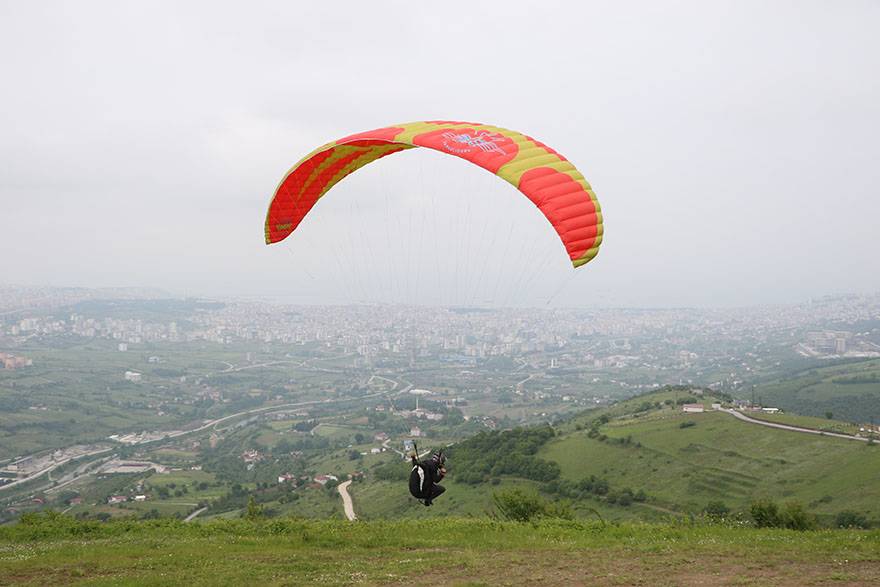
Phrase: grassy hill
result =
(719, 458)
(653, 461)
(638, 460)
(60, 550)
(850, 391)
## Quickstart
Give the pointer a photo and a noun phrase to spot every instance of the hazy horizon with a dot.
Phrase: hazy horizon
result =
(732, 147)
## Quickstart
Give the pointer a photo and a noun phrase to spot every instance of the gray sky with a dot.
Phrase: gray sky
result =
(732, 145)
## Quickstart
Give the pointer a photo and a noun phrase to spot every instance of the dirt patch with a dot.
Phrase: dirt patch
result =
(591, 568)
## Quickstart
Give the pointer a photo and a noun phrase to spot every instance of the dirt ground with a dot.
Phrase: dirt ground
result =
(534, 569)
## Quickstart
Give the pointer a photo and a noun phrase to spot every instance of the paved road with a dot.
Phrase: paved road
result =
(745, 418)
(347, 505)
(190, 517)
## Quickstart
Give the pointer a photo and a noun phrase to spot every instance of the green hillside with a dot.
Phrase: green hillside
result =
(645, 460)
(721, 458)
(59, 550)
(850, 391)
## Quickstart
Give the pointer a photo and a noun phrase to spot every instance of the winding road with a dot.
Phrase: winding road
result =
(193, 515)
(347, 505)
(745, 418)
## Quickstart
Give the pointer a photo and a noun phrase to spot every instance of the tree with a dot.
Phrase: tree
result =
(829, 415)
(254, 510)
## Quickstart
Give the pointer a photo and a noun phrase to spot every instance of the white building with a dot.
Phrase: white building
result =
(323, 479)
(133, 376)
(692, 408)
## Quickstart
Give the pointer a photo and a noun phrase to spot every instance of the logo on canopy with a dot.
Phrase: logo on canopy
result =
(465, 142)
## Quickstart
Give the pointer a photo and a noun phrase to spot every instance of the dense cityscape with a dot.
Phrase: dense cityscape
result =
(697, 344)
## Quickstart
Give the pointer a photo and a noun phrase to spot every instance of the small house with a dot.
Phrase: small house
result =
(323, 479)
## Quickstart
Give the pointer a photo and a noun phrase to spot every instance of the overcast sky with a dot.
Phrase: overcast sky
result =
(733, 147)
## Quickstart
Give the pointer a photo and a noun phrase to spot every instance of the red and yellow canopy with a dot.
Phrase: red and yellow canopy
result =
(547, 178)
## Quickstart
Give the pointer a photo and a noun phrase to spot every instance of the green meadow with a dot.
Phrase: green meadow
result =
(684, 461)
(287, 551)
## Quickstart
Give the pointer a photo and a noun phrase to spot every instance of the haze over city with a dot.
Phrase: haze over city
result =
(732, 147)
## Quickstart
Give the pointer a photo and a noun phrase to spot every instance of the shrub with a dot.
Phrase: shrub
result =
(851, 519)
(765, 514)
(795, 517)
(716, 509)
(523, 506)
(687, 424)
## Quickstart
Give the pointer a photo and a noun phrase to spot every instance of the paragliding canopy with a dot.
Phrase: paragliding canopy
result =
(547, 178)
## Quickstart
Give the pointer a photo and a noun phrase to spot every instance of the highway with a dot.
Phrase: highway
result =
(52, 467)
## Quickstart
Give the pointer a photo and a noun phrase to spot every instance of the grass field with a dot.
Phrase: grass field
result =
(816, 391)
(391, 500)
(721, 458)
(807, 422)
(451, 551)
